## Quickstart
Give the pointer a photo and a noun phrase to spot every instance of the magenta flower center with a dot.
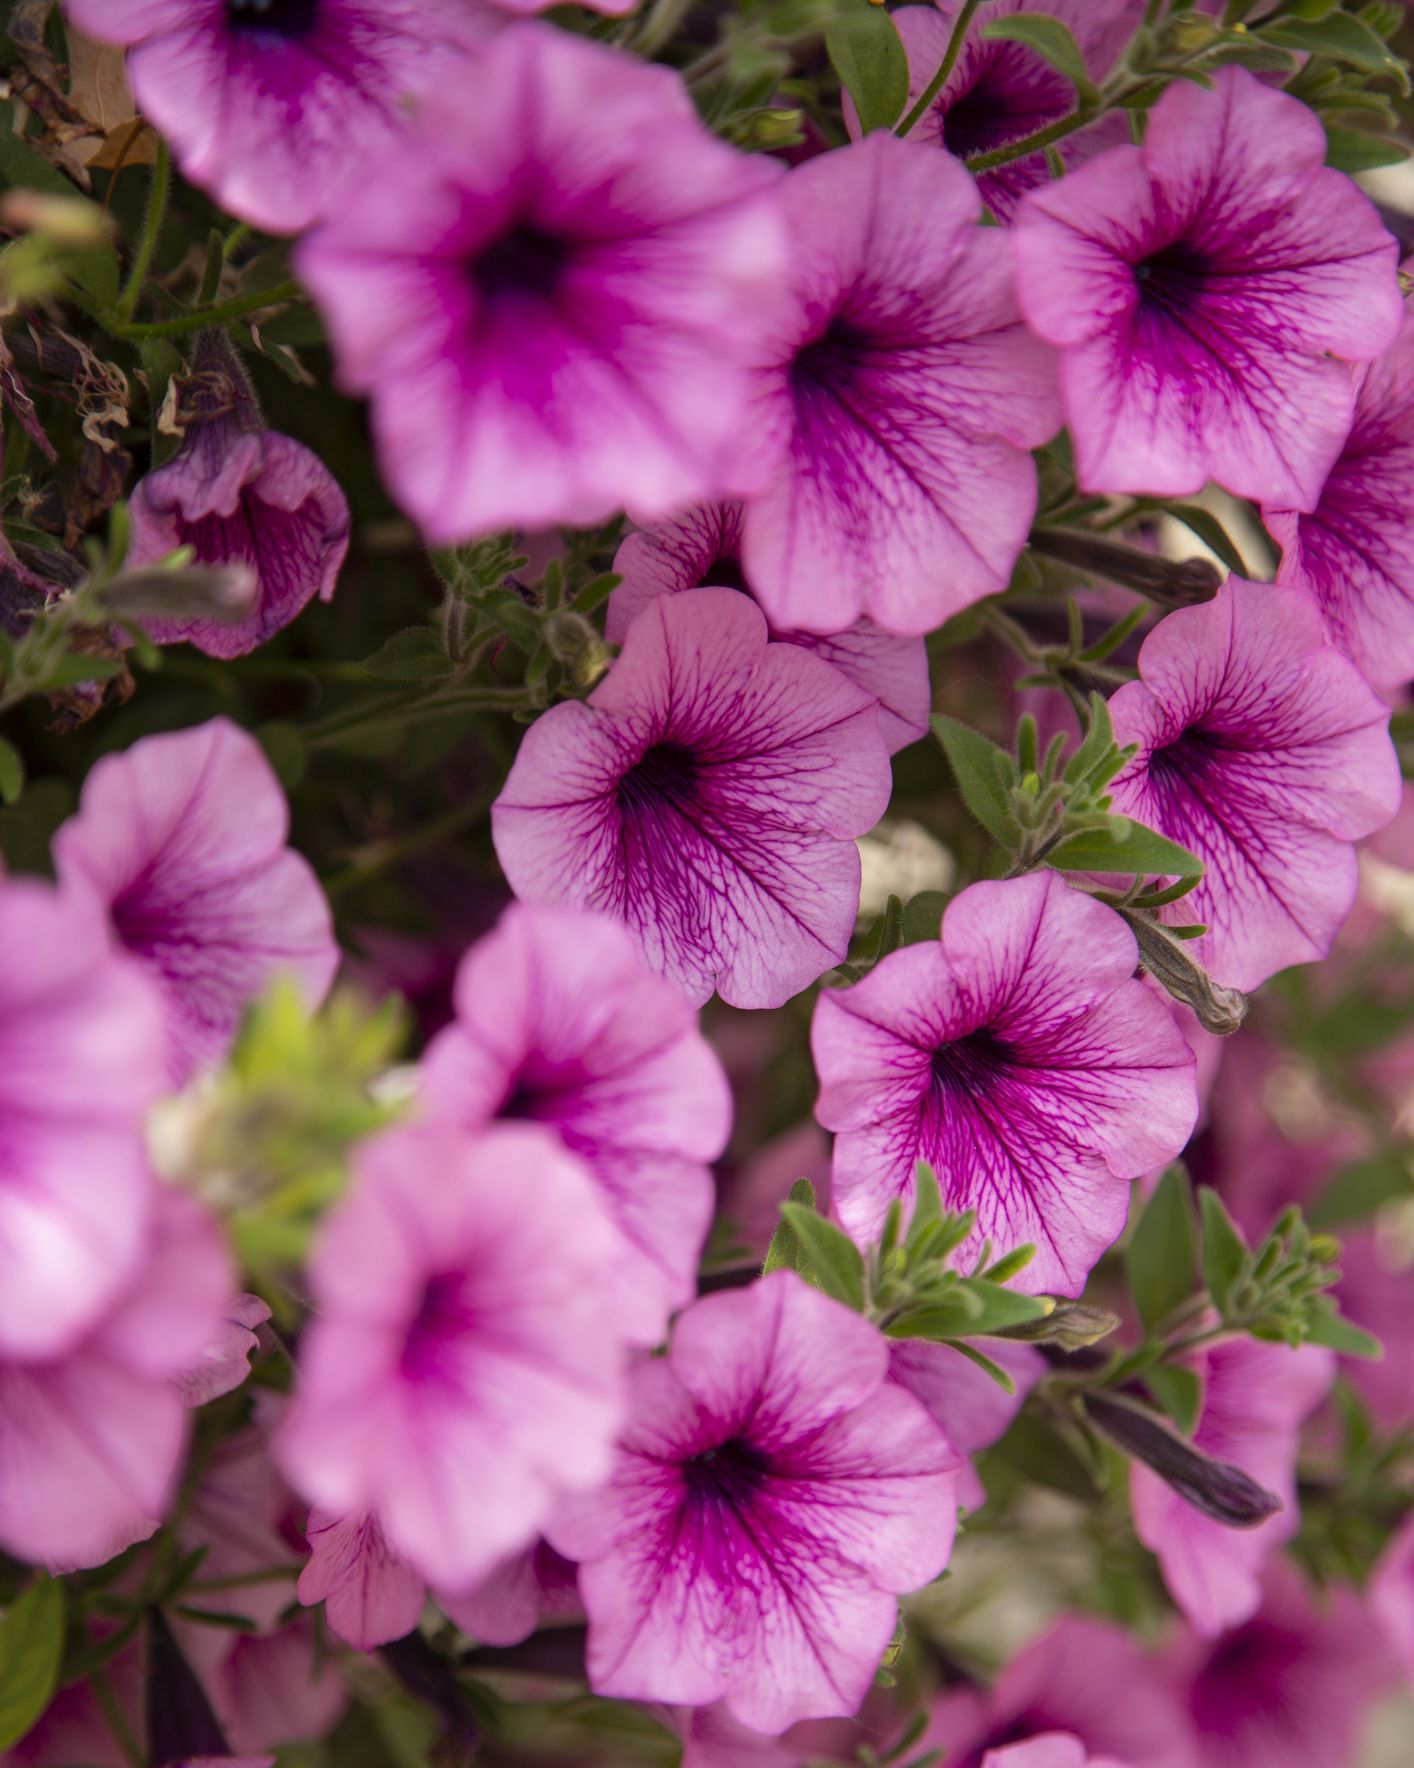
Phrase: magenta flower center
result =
(665, 775)
(281, 18)
(444, 1317)
(1012, 96)
(1249, 1671)
(1174, 281)
(526, 261)
(831, 364)
(968, 1067)
(724, 572)
(727, 1476)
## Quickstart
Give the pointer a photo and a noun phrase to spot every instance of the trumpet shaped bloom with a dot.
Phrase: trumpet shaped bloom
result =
(897, 400)
(1022, 1060)
(551, 289)
(1262, 750)
(1355, 550)
(1053, 1749)
(1201, 288)
(462, 1372)
(271, 105)
(703, 547)
(82, 1057)
(182, 838)
(706, 795)
(1255, 1397)
(559, 1023)
(771, 1496)
(370, 1593)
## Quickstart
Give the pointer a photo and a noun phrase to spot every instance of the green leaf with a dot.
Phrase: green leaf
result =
(1000, 1307)
(31, 1645)
(1210, 531)
(1052, 41)
(927, 1203)
(1359, 1189)
(1162, 1260)
(1046, 1458)
(414, 654)
(866, 52)
(12, 772)
(1339, 36)
(987, 1366)
(1339, 1334)
(1179, 1391)
(1351, 150)
(1098, 744)
(1124, 846)
(834, 1262)
(985, 775)
(923, 916)
(71, 672)
(784, 1252)
(285, 750)
(1225, 1259)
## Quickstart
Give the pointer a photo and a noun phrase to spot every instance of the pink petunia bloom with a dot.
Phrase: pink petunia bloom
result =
(552, 288)
(90, 1439)
(371, 1594)
(82, 1057)
(772, 1495)
(1084, 1677)
(896, 401)
(237, 493)
(267, 1689)
(1392, 1596)
(1200, 288)
(182, 838)
(1353, 551)
(703, 548)
(225, 1362)
(1056, 1749)
(509, 1605)
(559, 1023)
(462, 1370)
(1255, 1397)
(1263, 751)
(271, 105)
(1022, 1060)
(999, 91)
(707, 794)
(965, 1403)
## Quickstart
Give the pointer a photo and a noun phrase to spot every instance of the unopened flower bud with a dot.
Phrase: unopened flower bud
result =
(65, 220)
(1217, 1009)
(1071, 1326)
(1172, 583)
(186, 591)
(1217, 1488)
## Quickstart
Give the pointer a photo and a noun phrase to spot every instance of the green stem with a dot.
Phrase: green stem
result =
(1034, 142)
(113, 1717)
(224, 311)
(391, 711)
(393, 853)
(945, 67)
(147, 240)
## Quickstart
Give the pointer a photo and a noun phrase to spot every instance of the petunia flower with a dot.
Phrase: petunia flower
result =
(1355, 550)
(559, 1023)
(1255, 1397)
(225, 1362)
(772, 1495)
(552, 289)
(182, 838)
(462, 1371)
(1263, 751)
(90, 1437)
(1022, 1060)
(1201, 288)
(236, 493)
(1055, 1749)
(371, 1595)
(82, 1058)
(964, 1401)
(703, 547)
(273, 105)
(998, 92)
(707, 795)
(508, 1606)
(897, 400)
(1392, 1595)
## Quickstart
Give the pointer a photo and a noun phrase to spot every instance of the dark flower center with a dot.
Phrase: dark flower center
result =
(666, 774)
(1251, 1670)
(1013, 96)
(444, 1316)
(729, 1475)
(1174, 281)
(969, 1066)
(725, 573)
(281, 18)
(832, 363)
(525, 261)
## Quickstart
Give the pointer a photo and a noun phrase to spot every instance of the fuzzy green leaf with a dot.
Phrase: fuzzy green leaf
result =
(31, 1645)
(985, 775)
(867, 53)
(1162, 1260)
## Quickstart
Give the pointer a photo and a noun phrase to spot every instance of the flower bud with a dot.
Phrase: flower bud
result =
(1217, 1488)
(1217, 1009)
(1172, 583)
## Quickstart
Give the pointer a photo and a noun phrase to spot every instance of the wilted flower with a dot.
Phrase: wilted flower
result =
(559, 1023)
(707, 795)
(1022, 1060)
(551, 289)
(897, 400)
(236, 493)
(272, 105)
(771, 1496)
(182, 838)
(462, 1371)
(1201, 287)
(1263, 751)
(82, 1057)
(703, 548)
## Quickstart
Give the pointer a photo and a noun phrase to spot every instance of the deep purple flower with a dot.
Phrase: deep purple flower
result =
(707, 795)
(551, 289)
(772, 1494)
(1261, 750)
(999, 92)
(462, 1370)
(236, 493)
(1255, 1397)
(1200, 288)
(1355, 550)
(82, 1057)
(182, 838)
(897, 400)
(1022, 1060)
(703, 548)
(272, 105)
(559, 1023)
